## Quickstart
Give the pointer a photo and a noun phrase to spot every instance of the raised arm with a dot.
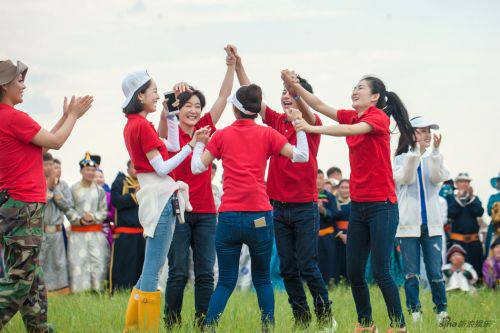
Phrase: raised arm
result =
(243, 77)
(61, 120)
(225, 89)
(76, 108)
(304, 109)
(240, 69)
(437, 171)
(314, 102)
(405, 167)
(334, 130)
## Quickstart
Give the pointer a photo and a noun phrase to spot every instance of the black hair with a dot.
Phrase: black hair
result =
(1, 92)
(306, 85)
(47, 157)
(214, 166)
(186, 96)
(251, 98)
(320, 172)
(392, 105)
(57, 161)
(343, 181)
(135, 106)
(333, 170)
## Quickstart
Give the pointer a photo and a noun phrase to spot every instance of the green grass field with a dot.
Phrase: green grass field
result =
(102, 313)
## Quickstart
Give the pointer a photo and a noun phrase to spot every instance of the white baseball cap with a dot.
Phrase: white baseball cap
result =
(421, 122)
(132, 82)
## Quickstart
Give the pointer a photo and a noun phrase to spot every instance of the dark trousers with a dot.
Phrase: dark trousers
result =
(127, 260)
(372, 229)
(326, 256)
(198, 232)
(296, 229)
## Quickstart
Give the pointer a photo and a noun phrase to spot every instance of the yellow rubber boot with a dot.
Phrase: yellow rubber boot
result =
(131, 315)
(149, 311)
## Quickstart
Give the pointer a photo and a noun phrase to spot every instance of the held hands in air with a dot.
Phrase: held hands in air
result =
(202, 135)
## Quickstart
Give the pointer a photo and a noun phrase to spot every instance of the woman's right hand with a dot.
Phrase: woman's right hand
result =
(80, 105)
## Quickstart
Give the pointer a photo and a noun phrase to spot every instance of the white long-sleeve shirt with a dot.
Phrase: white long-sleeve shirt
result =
(408, 192)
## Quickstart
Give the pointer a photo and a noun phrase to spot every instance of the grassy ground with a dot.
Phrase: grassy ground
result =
(102, 313)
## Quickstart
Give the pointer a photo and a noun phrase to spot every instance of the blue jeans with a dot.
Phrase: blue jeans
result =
(156, 250)
(198, 232)
(233, 230)
(372, 229)
(431, 249)
(296, 226)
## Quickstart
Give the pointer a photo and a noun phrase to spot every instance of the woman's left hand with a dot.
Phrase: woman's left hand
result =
(437, 140)
(293, 114)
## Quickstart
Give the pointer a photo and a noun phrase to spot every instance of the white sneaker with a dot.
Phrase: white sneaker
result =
(417, 317)
(442, 317)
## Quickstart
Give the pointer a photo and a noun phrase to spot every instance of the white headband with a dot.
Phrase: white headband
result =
(234, 100)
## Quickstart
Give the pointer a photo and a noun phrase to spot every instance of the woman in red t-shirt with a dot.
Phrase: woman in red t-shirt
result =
(374, 212)
(156, 197)
(245, 214)
(23, 195)
(198, 233)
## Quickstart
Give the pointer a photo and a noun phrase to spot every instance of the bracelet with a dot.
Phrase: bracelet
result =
(296, 97)
(189, 144)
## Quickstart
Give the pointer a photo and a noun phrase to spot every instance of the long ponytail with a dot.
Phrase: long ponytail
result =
(392, 105)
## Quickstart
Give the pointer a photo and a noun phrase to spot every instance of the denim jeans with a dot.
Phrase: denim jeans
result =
(372, 229)
(233, 230)
(156, 250)
(431, 249)
(198, 232)
(296, 227)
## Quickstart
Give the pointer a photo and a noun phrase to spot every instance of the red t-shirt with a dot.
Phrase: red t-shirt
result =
(21, 163)
(141, 137)
(244, 148)
(288, 181)
(200, 186)
(370, 157)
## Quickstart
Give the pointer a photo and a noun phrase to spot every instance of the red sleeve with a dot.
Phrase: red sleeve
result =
(24, 127)
(215, 144)
(148, 138)
(277, 142)
(206, 120)
(346, 116)
(271, 118)
(378, 120)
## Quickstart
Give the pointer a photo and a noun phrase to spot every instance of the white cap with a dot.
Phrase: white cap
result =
(421, 122)
(131, 83)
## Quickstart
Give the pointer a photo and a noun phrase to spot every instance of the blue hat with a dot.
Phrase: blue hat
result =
(494, 181)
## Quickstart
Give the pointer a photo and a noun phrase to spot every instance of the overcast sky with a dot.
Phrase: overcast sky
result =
(441, 57)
